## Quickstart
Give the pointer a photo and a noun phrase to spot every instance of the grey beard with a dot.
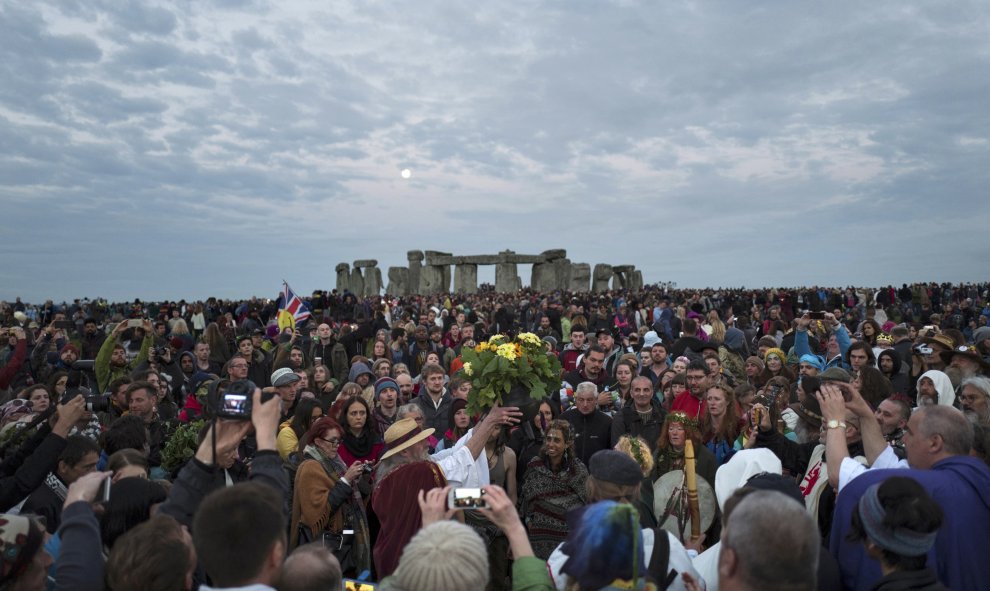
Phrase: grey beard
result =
(804, 432)
(957, 375)
(975, 417)
(388, 464)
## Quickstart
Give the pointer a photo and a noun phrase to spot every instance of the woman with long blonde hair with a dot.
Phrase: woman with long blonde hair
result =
(717, 333)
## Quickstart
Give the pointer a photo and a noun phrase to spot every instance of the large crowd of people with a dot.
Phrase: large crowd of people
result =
(791, 438)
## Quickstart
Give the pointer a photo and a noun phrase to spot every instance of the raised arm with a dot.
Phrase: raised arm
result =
(496, 418)
(873, 440)
(836, 448)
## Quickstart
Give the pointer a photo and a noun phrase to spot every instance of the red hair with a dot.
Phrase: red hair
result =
(319, 427)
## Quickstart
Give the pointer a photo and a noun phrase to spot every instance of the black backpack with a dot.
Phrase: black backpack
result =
(659, 560)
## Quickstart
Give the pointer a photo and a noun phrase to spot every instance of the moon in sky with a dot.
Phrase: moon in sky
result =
(406, 173)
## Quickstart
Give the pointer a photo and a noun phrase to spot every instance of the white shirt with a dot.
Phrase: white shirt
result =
(850, 468)
(706, 564)
(460, 468)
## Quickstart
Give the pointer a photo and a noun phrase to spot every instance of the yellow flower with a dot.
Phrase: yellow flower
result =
(482, 347)
(467, 369)
(507, 350)
(496, 339)
(530, 339)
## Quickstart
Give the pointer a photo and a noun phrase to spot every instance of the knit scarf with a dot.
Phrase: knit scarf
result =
(334, 467)
(358, 445)
(58, 487)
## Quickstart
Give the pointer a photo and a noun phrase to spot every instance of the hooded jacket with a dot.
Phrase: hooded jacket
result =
(946, 394)
(368, 392)
(801, 346)
(898, 379)
(359, 369)
(569, 356)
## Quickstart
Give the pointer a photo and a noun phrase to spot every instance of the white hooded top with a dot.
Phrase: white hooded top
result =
(943, 385)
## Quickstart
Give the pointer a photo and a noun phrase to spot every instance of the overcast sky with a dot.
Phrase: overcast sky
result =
(190, 149)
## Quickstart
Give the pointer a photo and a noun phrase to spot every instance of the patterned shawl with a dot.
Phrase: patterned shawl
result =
(547, 496)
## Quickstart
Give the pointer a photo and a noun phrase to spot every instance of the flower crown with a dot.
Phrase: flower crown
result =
(682, 418)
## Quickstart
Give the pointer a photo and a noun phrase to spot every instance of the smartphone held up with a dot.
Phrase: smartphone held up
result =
(466, 498)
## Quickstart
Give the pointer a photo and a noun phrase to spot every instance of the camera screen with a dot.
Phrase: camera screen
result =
(352, 585)
(234, 404)
(468, 498)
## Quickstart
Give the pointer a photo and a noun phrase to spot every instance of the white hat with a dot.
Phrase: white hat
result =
(742, 466)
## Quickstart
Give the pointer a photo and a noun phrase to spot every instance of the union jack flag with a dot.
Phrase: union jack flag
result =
(293, 305)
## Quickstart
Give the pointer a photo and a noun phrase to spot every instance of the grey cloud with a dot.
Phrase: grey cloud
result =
(153, 55)
(851, 140)
(108, 104)
(250, 40)
(25, 35)
(142, 18)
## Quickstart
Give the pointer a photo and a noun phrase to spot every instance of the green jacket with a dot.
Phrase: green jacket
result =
(106, 374)
(530, 573)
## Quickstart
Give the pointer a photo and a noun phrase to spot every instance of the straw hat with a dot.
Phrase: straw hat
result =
(402, 434)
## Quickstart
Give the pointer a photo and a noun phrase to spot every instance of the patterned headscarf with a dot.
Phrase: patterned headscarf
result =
(13, 410)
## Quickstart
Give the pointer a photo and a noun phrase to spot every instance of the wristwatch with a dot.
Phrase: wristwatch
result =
(834, 424)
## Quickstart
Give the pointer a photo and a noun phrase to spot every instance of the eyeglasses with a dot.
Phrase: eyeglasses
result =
(239, 366)
(334, 441)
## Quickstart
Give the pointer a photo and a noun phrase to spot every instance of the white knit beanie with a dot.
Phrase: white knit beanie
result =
(444, 556)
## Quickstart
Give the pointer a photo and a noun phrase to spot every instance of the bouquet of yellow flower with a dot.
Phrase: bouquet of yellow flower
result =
(501, 365)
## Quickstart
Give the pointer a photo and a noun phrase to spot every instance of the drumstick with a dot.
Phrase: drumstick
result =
(691, 480)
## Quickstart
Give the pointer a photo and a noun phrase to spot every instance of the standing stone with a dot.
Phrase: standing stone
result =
(636, 282)
(580, 277)
(622, 276)
(357, 282)
(432, 256)
(600, 278)
(466, 278)
(544, 277)
(562, 272)
(398, 281)
(507, 278)
(415, 258)
(445, 277)
(618, 280)
(372, 282)
(364, 263)
(430, 278)
(343, 277)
